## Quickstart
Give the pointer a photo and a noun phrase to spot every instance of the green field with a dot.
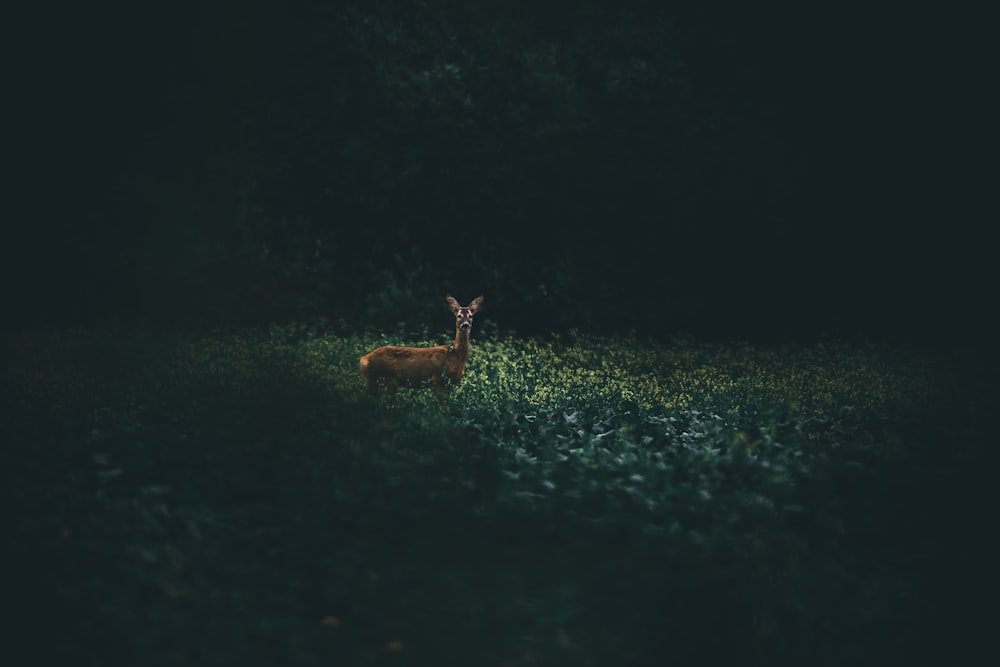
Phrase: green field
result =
(234, 498)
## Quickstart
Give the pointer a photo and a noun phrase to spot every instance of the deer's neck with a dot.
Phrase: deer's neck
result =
(460, 347)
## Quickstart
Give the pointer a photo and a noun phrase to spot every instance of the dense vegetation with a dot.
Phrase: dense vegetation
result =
(235, 498)
(249, 162)
(190, 486)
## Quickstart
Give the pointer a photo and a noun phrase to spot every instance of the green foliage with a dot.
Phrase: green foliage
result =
(572, 499)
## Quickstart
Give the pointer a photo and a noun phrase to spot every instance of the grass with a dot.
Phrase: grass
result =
(235, 498)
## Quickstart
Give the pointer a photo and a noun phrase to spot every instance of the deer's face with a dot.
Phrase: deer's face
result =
(463, 318)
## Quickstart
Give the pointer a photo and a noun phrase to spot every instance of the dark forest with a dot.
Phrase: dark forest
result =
(729, 394)
(612, 167)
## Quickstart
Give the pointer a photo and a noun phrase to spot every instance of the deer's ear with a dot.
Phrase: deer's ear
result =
(474, 306)
(453, 304)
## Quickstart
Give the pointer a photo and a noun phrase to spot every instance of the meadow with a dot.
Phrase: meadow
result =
(234, 497)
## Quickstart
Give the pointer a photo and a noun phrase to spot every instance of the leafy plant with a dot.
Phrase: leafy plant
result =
(574, 496)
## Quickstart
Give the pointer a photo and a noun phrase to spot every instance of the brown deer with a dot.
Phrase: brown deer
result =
(443, 365)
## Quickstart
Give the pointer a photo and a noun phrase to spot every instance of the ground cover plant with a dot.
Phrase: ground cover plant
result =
(235, 498)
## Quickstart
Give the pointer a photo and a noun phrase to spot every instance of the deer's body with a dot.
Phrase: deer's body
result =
(442, 365)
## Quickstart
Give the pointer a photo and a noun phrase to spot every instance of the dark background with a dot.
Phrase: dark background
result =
(604, 166)
(601, 165)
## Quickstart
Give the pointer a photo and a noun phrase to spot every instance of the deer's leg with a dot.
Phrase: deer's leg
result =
(440, 388)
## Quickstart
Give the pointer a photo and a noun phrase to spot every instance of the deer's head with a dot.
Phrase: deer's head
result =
(463, 316)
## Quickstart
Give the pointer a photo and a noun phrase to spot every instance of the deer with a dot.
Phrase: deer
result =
(443, 365)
